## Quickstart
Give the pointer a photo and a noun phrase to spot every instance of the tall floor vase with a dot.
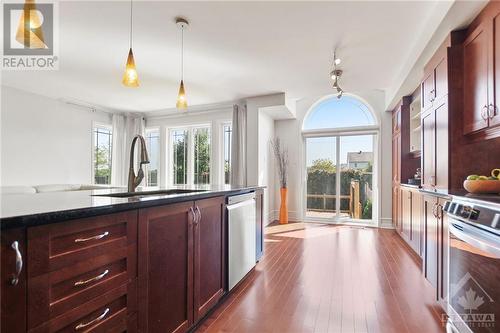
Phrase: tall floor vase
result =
(283, 206)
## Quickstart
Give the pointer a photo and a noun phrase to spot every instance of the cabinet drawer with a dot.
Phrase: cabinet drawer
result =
(107, 313)
(55, 246)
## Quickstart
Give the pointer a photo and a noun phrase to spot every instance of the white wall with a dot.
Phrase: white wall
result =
(266, 165)
(213, 118)
(289, 131)
(45, 141)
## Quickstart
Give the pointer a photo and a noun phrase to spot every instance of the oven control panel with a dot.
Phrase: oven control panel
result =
(464, 211)
(480, 216)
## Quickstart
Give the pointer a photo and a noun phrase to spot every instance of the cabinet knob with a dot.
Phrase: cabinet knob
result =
(432, 180)
(491, 111)
(484, 112)
(431, 95)
(199, 214)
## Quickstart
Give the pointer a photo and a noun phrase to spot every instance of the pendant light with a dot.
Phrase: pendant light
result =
(181, 97)
(29, 31)
(130, 78)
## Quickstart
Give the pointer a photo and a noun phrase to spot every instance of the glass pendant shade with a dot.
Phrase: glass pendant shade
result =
(130, 78)
(29, 31)
(181, 98)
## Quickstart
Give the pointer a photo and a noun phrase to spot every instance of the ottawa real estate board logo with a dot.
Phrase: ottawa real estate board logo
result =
(473, 305)
(30, 36)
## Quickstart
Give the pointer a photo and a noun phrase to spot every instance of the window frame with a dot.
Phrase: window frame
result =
(222, 147)
(96, 124)
(158, 175)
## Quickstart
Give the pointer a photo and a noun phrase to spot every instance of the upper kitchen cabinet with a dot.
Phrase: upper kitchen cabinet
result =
(435, 84)
(476, 80)
(481, 73)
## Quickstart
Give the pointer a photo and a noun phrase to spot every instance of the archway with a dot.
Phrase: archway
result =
(341, 161)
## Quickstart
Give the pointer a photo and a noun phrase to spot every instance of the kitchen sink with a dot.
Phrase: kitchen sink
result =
(147, 193)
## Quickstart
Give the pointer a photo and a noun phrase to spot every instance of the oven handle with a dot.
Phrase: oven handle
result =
(475, 238)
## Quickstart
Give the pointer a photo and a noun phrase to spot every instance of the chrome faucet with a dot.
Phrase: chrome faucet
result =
(133, 180)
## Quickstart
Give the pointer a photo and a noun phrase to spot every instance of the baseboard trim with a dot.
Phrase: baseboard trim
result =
(386, 223)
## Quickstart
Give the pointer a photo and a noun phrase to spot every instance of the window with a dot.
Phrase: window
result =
(103, 139)
(226, 142)
(153, 146)
(179, 160)
(202, 155)
(190, 154)
(333, 113)
(339, 160)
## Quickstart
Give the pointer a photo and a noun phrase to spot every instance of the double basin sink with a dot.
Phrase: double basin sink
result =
(147, 193)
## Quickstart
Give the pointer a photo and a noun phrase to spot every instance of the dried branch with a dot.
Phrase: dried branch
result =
(281, 155)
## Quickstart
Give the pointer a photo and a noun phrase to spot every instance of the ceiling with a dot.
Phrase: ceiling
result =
(232, 50)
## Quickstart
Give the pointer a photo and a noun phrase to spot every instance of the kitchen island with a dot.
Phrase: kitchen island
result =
(101, 261)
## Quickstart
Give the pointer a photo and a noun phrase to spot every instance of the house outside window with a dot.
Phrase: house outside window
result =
(153, 147)
(102, 147)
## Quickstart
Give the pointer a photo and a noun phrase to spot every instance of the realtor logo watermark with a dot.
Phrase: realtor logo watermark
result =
(471, 303)
(30, 36)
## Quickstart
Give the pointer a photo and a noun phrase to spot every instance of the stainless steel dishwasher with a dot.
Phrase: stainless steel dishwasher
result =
(241, 233)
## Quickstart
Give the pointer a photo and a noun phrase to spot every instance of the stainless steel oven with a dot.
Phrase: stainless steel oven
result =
(474, 266)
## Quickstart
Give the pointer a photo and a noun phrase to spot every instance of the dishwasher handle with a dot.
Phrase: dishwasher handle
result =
(241, 204)
(240, 198)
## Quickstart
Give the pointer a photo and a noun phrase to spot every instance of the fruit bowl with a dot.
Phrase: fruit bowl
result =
(482, 186)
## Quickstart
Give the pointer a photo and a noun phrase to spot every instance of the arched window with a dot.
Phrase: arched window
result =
(332, 113)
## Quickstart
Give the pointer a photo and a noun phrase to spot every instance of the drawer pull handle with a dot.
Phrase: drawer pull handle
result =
(79, 240)
(95, 278)
(19, 263)
(93, 321)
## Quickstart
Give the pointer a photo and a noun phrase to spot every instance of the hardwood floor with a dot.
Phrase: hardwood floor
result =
(324, 278)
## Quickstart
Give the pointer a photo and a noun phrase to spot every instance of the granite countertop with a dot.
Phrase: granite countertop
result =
(464, 195)
(22, 210)
(438, 193)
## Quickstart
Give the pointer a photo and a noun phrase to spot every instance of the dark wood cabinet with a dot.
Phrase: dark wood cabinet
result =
(443, 250)
(158, 269)
(481, 75)
(182, 268)
(396, 153)
(405, 216)
(495, 108)
(396, 206)
(431, 231)
(410, 209)
(13, 272)
(476, 77)
(77, 267)
(428, 91)
(416, 234)
(435, 147)
(436, 245)
(209, 249)
(428, 149)
(165, 271)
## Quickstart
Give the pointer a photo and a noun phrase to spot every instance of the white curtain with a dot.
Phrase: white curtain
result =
(238, 146)
(124, 131)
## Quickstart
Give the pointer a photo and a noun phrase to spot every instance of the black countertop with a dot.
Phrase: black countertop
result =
(23, 210)
(410, 186)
